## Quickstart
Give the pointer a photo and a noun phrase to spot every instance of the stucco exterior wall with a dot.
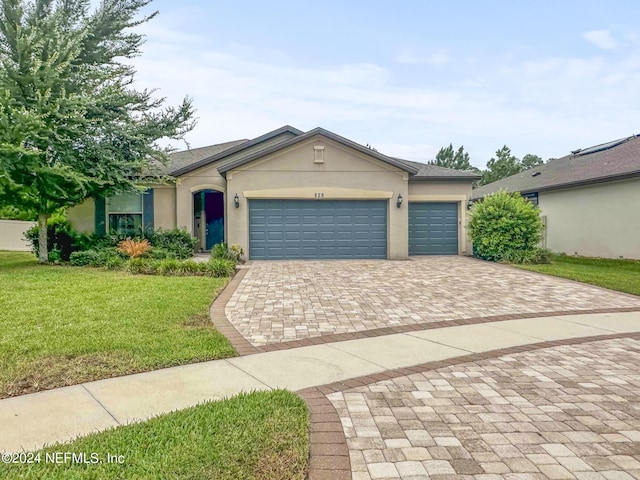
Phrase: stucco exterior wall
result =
(164, 207)
(345, 174)
(12, 235)
(82, 216)
(601, 220)
(208, 178)
(447, 191)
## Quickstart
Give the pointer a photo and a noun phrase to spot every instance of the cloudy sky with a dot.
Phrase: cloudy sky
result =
(406, 76)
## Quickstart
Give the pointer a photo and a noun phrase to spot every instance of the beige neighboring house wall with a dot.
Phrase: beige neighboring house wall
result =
(12, 235)
(449, 191)
(601, 220)
(292, 173)
(82, 216)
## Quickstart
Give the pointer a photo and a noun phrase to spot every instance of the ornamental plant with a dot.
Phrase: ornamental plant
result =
(504, 226)
(134, 248)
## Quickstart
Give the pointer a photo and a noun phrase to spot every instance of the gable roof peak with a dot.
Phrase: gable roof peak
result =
(325, 133)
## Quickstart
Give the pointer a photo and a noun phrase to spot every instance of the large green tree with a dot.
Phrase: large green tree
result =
(71, 124)
(455, 159)
(505, 164)
(530, 161)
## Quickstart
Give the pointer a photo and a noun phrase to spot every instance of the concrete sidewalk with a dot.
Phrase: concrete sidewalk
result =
(31, 421)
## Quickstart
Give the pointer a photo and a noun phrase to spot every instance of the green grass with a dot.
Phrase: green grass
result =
(621, 275)
(65, 325)
(252, 436)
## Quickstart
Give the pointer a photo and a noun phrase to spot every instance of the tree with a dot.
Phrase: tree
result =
(505, 164)
(530, 161)
(71, 124)
(457, 160)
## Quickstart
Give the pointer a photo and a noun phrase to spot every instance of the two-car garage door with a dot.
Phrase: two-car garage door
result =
(283, 229)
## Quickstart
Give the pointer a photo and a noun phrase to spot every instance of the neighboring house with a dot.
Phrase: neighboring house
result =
(291, 194)
(590, 198)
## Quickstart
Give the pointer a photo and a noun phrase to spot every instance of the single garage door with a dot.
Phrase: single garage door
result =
(433, 229)
(283, 229)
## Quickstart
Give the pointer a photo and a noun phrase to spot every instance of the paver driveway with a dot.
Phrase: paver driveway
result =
(568, 412)
(281, 301)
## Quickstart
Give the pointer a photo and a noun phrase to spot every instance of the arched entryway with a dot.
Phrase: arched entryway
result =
(208, 218)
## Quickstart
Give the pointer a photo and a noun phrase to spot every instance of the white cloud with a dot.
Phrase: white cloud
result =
(544, 106)
(601, 38)
(435, 59)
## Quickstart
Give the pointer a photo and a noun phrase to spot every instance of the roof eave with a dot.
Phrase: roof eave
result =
(580, 183)
(469, 178)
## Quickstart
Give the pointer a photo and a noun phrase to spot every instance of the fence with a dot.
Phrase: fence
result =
(12, 235)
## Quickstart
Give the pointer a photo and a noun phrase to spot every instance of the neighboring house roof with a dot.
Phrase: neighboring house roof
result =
(605, 162)
(325, 133)
(430, 172)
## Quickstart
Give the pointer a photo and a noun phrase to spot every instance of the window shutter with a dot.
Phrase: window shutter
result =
(100, 216)
(147, 209)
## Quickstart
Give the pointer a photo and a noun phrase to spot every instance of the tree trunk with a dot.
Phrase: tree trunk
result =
(43, 256)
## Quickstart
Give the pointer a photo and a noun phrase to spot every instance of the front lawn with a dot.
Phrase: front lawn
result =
(622, 275)
(262, 435)
(65, 325)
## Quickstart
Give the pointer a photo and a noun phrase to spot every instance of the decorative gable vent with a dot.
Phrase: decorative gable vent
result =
(318, 154)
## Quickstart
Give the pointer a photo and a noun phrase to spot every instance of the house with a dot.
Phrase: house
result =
(590, 198)
(293, 194)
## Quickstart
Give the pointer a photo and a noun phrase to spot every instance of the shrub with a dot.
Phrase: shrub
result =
(54, 255)
(178, 241)
(191, 267)
(84, 259)
(236, 253)
(220, 267)
(175, 267)
(106, 257)
(138, 265)
(134, 248)
(220, 250)
(113, 262)
(168, 266)
(505, 224)
(60, 236)
(158, 253)
(536, 256)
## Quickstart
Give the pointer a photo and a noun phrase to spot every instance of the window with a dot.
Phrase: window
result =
(532, 197)
(125, 213)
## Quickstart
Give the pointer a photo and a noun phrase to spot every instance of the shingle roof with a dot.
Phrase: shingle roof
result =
(188, 160)
(180, 160)
(608, 161)
(426, 171)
